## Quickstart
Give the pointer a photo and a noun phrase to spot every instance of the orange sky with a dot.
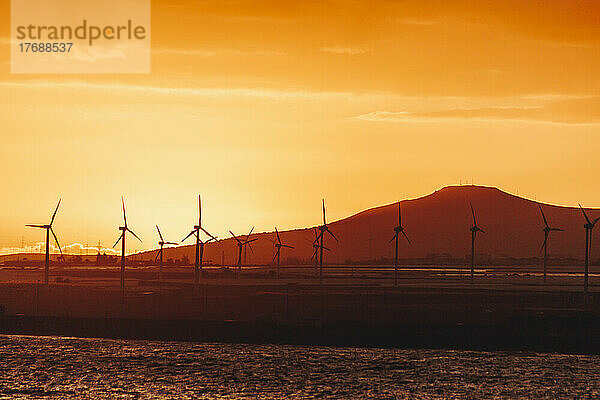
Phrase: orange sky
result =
(265, 107)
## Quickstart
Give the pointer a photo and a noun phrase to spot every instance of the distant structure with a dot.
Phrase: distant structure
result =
(199, 244)
(589, 226)
(323, 228)
(278, 246)
(241, 244)
(397, 230)
(547, 229)
(315, 255)
(124, 229)
(49, 230)
(474, 230)
(159, 254)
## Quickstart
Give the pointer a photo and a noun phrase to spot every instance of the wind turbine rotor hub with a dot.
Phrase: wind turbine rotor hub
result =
(122, 228)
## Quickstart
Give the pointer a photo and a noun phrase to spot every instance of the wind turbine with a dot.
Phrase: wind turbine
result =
(49, 230)
(278, 246)
(124, 229)
(474, 230)
(241, 244)
(315, 255)
(397, 230)
(547, 229)
(323, 228)
(199, 243)
(589, 225)
(161, 243)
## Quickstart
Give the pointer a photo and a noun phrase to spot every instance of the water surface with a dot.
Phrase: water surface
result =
(73, 368)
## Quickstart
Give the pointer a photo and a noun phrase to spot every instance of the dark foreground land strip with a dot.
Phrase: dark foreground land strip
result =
(574, 332)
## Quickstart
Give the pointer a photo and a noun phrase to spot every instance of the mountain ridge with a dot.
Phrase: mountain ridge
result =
(437, 223)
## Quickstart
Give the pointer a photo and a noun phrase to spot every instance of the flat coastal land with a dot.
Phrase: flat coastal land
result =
(506, 308)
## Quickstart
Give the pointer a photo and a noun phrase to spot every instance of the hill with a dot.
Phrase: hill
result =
(437, 224)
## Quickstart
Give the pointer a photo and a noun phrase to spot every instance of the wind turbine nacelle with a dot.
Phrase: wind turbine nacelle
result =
(122, 228)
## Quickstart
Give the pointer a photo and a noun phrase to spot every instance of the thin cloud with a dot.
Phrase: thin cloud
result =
(205, 53)
(569, 112)
(351, 51)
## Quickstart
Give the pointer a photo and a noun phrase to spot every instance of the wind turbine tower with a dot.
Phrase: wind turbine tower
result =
(474, 230)
(159, 255)
(241, 245)
(199, 244)
(278, 246)
(589, 226)
(49, 230)
(547, 229)
(397, 231)
(124, 229)
(324, 229)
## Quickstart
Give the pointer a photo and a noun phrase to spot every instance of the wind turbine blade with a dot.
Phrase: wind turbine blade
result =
(326, 248)
(585, 215)
(276, 254)
(118, 240)
(188, 235)
(124, 216)
(473, 212)
(35, 226)
(249, 233)
(250, 241)
(157, 255)
(173, 243)
(286, 246)
(393, 237)
(250, 246)
(133, 233)
(199, 211)
(596, 220)
(544, 244)
(55, 211)
(235, 237)
(332, 235)
(278, 238)
(543, 216)
(316, 234)
(407, 239)
(480, 230)
(557, 229)
(324, 220)
(205, 231)
(56, 240)
(159, 234)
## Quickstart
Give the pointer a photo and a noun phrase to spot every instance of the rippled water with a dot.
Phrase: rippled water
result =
(52, 367)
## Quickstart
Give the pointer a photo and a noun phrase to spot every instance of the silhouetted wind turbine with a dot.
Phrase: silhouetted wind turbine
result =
(241, 244)
(474, 230)
(278, 246)
(161, 243)
(589, 225)
(315, 254)
(49, 230)
(323, 228)
(397, 230)
(547, 229)
(199, 244)
(124, 229)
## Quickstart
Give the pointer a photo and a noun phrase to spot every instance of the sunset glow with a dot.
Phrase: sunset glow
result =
(266, 108)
